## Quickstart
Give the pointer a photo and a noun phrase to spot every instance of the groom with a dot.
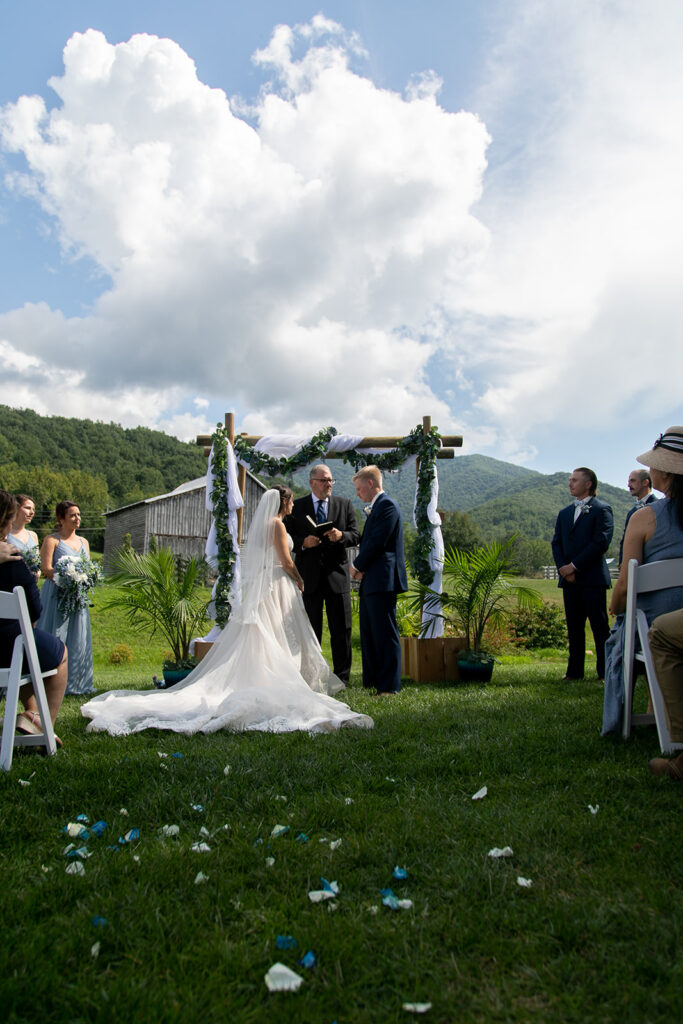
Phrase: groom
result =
(380, 566)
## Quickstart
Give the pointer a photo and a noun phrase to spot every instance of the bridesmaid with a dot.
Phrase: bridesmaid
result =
(20, 536)
(74, 629)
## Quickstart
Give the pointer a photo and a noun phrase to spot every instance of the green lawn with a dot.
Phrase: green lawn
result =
(595, 938)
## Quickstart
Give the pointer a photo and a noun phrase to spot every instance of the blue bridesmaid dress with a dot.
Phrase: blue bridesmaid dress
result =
(73, 630)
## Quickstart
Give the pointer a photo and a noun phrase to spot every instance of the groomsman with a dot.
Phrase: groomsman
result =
(323, 563)
(640, 487)
(380, 566)
(582, 536)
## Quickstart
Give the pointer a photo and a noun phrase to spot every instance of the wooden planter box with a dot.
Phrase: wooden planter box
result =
(431, 659)
(202, 648)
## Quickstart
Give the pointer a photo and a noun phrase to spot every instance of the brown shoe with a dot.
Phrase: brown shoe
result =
(672, 768)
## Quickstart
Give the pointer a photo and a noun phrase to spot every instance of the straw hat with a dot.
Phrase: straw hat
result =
(666, 453)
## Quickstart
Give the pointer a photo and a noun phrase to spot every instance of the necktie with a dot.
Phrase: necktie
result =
(320, 512)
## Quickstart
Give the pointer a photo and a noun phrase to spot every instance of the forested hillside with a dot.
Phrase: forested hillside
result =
(103, 465)
(98, 465)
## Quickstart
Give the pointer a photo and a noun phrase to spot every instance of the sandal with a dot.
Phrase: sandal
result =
(26, 723)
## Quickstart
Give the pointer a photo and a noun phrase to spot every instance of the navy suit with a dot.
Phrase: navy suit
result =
(380, 558)
(325, 572)
(584, 543)
(648, 501)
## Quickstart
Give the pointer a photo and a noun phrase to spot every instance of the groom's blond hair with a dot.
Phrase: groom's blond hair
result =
(369, 473)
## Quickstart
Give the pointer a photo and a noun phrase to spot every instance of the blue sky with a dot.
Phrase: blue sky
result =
(372, 212)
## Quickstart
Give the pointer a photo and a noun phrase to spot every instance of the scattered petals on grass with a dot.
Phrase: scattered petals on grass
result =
(302, 838)
(496, 852)
(95, 950)
(270, 861)
(136, 858)
(373, 909)
(390, 900)
(201, 848)
(82, 853)
(197, 807)
(479, 795)
(524, 883)
(388, 778)
(328, 892)
(75, 868)
(282, 798)
(281, 979)
(400, 873)
(417, 1007)
(204, 832)
(308, 960)
(131, 835)
(200, 877)
(285, 942)
(98, 828)
(24, 782)
(83, 818)
(170, 830)
(45, 869)
(177, 754)
(335, 844)
(279, 830)
(76, 831)
(227, 769)
(99, 922)
(348, 800)
(592, 809)
(123, 812)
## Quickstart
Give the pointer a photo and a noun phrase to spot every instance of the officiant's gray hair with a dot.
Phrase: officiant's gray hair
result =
(369, 473)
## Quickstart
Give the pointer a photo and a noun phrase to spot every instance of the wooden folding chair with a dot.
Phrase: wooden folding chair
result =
(643, 579)
(13, 606)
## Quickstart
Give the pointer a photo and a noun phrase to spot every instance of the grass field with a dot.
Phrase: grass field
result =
(595, 938)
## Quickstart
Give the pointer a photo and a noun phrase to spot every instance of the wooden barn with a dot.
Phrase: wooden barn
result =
(179, 520)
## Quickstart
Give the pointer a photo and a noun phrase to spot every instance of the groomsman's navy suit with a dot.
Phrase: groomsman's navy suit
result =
(325, 572)
(648, 501)
(584, 543)
(380, 558)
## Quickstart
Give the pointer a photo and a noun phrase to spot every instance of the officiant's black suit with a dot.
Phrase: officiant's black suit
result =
(325, 572)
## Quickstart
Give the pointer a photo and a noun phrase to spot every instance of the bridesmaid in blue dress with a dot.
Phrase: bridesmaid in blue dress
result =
(20, 536)
(74, 629)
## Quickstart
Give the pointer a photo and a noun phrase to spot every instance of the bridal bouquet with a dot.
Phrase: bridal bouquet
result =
(32, 558)
(75, 578)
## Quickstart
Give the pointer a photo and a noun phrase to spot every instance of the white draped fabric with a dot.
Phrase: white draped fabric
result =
(432, 624)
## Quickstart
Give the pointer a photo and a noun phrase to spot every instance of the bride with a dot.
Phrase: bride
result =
(265, 672)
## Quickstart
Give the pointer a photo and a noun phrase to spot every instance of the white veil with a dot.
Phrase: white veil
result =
(258, 557)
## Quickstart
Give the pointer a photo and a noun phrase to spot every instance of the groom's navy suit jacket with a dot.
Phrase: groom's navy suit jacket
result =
(584, 543)
(380, 555)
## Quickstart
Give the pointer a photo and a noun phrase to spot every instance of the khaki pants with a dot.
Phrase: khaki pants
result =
(666, 643)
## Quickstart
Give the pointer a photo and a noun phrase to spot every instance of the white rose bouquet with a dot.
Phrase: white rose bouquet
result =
(32, 558)
(75, 578)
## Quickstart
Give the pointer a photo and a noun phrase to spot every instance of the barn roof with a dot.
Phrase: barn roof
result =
(186, 488)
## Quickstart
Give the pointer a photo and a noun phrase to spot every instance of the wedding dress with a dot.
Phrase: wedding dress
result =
(265, 672)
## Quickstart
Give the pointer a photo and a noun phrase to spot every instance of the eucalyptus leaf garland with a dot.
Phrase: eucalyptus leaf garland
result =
(424, 446)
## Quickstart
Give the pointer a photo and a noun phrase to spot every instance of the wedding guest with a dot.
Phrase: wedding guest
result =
(25, 540)
(666, 644)
(51, 650)
(73, 629)
(654, 532)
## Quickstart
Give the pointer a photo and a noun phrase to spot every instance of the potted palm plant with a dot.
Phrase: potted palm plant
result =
(478, 591)
(160, 592)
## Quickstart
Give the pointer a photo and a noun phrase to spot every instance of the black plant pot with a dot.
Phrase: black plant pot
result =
(479, 671)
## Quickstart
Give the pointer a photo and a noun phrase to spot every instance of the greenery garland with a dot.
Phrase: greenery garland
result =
(424, 446)
(219, 503)
(259, 462)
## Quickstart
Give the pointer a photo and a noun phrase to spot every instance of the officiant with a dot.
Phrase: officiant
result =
(322, 561)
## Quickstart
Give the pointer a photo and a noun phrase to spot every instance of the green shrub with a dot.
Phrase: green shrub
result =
(121, 654)
(543, 626)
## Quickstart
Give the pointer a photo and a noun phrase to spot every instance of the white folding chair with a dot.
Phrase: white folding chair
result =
(643, 579)
(13, 606)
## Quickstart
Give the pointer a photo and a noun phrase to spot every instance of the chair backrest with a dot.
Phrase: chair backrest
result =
(13, 606)
(660, 575)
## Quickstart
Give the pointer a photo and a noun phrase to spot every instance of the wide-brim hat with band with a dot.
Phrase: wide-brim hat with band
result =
(666, 453)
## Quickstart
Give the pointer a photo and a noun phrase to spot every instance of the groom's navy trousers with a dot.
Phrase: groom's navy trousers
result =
(380, 558)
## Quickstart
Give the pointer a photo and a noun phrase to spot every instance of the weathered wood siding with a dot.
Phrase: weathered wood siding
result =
(179, 521)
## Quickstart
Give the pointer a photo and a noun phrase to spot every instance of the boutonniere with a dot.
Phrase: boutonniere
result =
(585, 510)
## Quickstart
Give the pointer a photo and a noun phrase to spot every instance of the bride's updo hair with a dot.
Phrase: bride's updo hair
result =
(285, 494)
